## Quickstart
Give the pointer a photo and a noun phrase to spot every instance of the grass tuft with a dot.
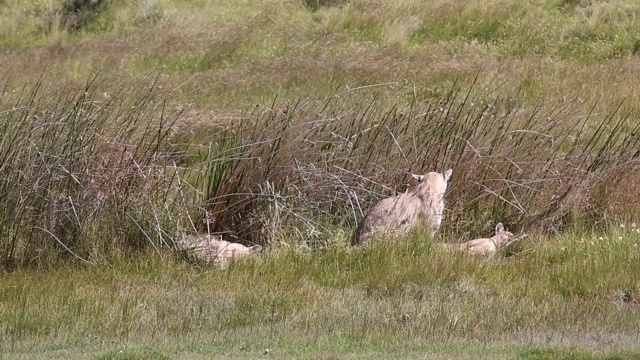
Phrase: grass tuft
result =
(75, 166)
(134, 353)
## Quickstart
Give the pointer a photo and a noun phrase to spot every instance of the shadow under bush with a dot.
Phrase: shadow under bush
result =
(76, 14)
(314, 5)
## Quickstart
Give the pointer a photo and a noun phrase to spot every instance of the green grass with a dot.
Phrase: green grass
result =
(226, 56)
(133, 353)
(377, 301)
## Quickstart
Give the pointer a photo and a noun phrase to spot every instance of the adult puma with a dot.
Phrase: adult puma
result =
(397, 215)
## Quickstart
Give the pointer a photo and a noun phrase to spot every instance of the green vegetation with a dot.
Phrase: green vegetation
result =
(123, 121)
(405, 300)
(232, 55)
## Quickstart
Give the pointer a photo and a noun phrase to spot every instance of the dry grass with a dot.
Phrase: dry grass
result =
(304, 171)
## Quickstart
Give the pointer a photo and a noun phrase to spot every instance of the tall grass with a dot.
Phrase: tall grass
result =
(85, 176)
(81, 174)
(312, 166)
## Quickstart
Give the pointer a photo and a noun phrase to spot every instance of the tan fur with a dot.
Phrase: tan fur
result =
(485, 246)
(211, 248)
(399, 214)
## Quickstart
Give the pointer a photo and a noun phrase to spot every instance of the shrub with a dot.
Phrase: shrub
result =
(76, 14)
(314, 5)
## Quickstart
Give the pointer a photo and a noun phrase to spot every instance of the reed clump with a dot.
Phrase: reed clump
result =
(88, 176)
(319, 166)
(81, 175)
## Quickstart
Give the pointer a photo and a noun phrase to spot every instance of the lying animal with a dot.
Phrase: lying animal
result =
(211, 248)
(397, 215)
(485, 246)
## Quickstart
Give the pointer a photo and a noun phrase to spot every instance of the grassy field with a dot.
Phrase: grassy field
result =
(564, 299)
(123, 121)
(559, 300)
(230, 55)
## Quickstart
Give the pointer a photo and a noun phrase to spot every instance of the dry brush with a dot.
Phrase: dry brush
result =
(88, 176)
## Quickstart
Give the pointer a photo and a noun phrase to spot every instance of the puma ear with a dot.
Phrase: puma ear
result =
(447, 175)
(499, 228)
(418, 178)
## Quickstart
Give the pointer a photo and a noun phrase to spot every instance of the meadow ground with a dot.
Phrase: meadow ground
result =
(123, 121)
(569, 297)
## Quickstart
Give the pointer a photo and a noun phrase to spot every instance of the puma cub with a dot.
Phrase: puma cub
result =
(212, 249)
(485, 246)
